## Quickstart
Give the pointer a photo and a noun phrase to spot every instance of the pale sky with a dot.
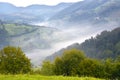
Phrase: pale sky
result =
(29, 2)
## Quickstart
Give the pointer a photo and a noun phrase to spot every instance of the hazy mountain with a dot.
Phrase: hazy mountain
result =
(89, 11)
(102, 46)
(30, 13)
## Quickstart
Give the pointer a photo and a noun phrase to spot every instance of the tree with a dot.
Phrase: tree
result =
(91, 67)
(58, 69)
(47, 68)
(13, 61)
(69, 62)
(109, 68)
(116, 72)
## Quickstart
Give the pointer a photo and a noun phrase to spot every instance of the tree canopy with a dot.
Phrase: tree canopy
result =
(13, 61)
(68, 64)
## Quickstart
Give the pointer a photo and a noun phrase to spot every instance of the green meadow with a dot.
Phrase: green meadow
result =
(39, 77)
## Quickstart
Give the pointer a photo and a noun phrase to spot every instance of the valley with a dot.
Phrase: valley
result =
(41, 30)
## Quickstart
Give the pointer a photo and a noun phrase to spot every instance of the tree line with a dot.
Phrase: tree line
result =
(74, 63)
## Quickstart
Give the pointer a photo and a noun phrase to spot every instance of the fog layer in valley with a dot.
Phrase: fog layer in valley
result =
(67, 36)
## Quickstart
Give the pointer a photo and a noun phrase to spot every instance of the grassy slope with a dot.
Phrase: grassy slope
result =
(38, 77)
(28, 36)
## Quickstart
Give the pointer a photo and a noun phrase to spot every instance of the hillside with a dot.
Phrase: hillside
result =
(36, 41)
(95, 12)
(4, 36)
(28, 37)
(104, 45)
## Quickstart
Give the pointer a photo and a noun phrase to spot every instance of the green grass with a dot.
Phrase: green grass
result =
(14, 29)
(39, 77)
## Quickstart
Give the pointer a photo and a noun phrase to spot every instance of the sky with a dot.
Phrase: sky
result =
(29, 2)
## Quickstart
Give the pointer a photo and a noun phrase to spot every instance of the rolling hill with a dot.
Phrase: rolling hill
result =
(26, 36)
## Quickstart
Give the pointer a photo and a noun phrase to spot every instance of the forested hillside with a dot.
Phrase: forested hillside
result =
(104, 45)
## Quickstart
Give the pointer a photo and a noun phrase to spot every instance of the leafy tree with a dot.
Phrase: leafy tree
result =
(91, 67)
(47, 68)
(13, 61)
(116, 73)
(68, 64)
(109, 68)
(58, 66)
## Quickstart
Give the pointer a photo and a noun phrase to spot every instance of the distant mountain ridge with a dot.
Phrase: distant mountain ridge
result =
(87, 11)
(32, 13)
